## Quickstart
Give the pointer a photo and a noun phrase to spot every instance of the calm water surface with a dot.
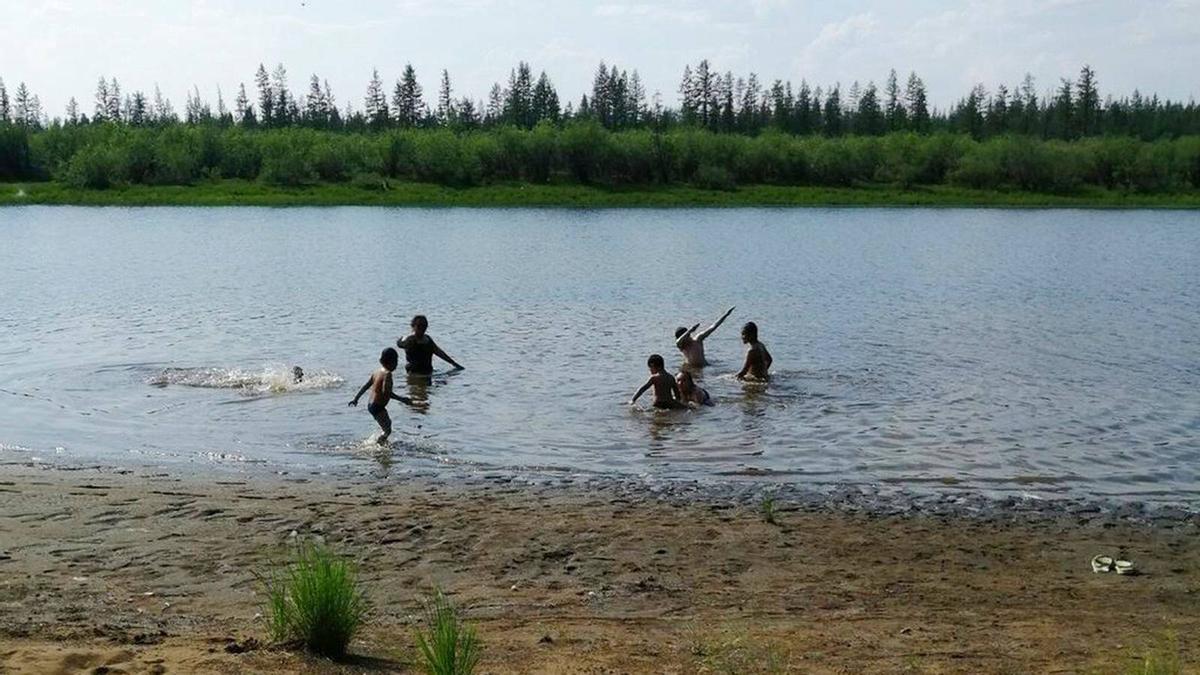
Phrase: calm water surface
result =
(1032, 351)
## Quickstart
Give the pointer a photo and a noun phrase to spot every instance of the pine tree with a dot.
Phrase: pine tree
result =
(223, 116)
(164, 113)
(100, 112)
(748, 105)
(406, 99)
(315, 112)
(284, 108)
(601, 101)
(804, 110)
(72, 109)
(833, 112)
(896, 115)
(1087, 102)
(1030, 113)
(139, 110)
(26, 109)
(637, 109)
(688, 106)
(374, 103)
(997, 115)
(545, 100)
(728, 118)
(870, 119)
(704, 88)
(5, 108)
(445, 106)
(266, 97)
(1062, 111)
(518, 97)
(466, 113)
(494, 112)
(918, 107)
(333, 118)
(113, 112)
(243, 112)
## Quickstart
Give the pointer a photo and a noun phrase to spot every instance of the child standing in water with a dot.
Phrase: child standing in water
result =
(419, 349)
(758, 359)
(380, 384)
(666, 392)
(690, 392)
(692, 346)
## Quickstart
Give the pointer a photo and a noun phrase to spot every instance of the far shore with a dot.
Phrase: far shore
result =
(134, 570)
(247, 193)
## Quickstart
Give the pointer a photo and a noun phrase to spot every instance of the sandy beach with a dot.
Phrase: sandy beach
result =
(125, 571)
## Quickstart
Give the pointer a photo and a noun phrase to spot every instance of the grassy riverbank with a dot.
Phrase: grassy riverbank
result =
(249, 193)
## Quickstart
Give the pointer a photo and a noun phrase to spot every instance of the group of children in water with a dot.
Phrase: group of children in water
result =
(681, 390)
(670, 392)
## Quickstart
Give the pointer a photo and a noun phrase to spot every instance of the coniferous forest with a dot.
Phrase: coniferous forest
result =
(717, 132)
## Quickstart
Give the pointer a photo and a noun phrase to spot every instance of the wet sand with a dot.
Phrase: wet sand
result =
(125, 571)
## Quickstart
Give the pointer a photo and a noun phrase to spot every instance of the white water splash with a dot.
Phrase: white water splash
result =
(275, 379)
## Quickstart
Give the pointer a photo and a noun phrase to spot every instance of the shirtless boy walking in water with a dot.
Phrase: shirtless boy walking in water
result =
(419, 349)
(758, 359)
(666, 391)
(380, 385)
(692, 346)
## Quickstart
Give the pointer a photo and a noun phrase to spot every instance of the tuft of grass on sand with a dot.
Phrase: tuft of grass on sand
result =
(315, 601)
(768, 510)
(1160, 659)
(447, 644)
(732, 653)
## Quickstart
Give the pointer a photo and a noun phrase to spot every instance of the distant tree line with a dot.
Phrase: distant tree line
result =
(725, 130)
(719, 102)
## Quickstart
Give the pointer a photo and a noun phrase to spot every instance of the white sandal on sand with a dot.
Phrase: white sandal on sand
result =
(1124, 567)
(1102, 563)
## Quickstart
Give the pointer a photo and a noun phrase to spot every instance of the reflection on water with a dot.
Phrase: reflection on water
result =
(990, 350)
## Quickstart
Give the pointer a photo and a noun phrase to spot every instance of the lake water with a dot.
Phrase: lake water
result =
(1053, 352)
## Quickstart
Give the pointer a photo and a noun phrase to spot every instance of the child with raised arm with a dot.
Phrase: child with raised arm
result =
(692, 346)
(758, 359)
(690, 392)
(666, 392)
(419, 349)
(380, 384)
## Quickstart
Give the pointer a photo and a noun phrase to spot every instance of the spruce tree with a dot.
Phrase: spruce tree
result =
(266, 97)
(72, 109)
(100, 112)
(284, 108)
(445, 106)
(406, 99)
(1087, 102)
(895, 108)
(688, 106)
(5, 108)
(833, 112)
(870, 119)
(243, 112)
(375, 107)
(114, 101)
(918, 107)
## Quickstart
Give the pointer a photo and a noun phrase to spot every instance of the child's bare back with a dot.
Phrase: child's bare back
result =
(666, 391)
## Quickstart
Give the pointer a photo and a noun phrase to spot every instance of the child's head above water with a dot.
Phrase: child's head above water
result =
(679, 332)
(420, 324)
(655, 363)
(389, 359)
(685, 381)
(750, 332)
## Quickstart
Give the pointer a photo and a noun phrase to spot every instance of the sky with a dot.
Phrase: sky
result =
(60, 48)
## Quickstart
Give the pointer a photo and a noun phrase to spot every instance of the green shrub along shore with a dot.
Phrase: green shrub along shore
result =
(583, 164)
